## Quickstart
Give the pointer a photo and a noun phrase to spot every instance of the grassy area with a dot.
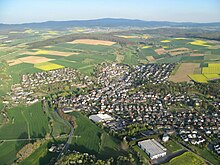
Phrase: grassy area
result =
(34, 157)
(172, 146)
(59, 126)
(9, 151)
(24, 120)
(187, 158)
(205, 153)
(109, 146)
(141, 152)
(130, 58)
(37, 120)
(16, 123)
(92, 139)
(39, 156)
(18, 70)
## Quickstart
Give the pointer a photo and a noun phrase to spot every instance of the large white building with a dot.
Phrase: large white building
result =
(153, 149)
(100, 117)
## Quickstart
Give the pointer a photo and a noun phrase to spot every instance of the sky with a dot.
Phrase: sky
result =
(26, 11)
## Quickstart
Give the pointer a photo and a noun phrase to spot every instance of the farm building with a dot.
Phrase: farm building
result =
(152, 148)
(100, 117)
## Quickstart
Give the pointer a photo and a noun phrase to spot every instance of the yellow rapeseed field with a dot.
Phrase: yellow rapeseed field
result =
(145, 47)
(48, 66)
(199, 43)
(165, 41)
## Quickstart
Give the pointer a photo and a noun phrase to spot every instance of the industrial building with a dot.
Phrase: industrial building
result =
(100, 117)
(153, 149)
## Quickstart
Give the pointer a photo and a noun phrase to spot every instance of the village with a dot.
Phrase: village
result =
(125, 106)
(25, 92)
(120, 99)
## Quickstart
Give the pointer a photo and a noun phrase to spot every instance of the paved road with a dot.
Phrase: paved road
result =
(70, 136)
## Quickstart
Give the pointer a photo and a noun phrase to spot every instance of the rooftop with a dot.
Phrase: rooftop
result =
(152, 146)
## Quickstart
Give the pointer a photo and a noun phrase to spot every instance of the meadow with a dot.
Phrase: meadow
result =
(92, 139)
(187, 158)
(172, 146)
(25, 122)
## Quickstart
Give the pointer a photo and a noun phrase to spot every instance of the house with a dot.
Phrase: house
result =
(165, 137)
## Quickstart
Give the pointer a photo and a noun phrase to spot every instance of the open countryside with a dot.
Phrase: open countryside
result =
(109, 83)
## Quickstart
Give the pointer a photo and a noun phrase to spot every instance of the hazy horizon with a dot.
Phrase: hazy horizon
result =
(24, 11)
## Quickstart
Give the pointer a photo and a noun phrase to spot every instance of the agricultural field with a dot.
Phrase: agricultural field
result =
(209, 72)
(199, 43)
(9, 150)
(198, 78)
(93, 42)
(24, 121)
(197, 60)
(46, 66)
(183, 71)
(92, 139)
(50, 52)
(187, 158)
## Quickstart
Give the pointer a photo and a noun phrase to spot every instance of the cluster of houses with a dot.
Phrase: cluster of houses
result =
(152, 73)
(56, 148)
(32, 83)
(217, 148)
(114, 97)
(34, 80)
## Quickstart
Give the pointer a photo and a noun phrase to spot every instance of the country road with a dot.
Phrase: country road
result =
(11, 140)
(70, 136)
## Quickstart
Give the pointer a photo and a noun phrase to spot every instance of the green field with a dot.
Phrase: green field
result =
(18, 70)
(92, 139)
(82, 47)
(9, 151)
(187, 158)
(25, 121)
(40, 156)
(172, 146)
